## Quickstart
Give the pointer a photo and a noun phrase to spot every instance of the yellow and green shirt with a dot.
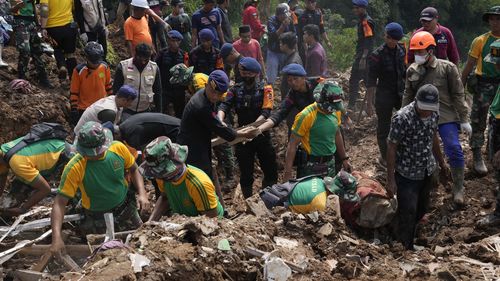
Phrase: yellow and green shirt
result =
(199, 82)
(102, 182)
(495, 105)
(193, 193)
(60, 12)
(479, 49)
(317, 130)
(39, 158)
(308, 196)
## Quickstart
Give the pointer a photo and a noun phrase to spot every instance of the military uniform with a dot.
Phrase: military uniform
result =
(174, 94)
(364, 46)
(308, 17)
(28, 43)
(488, 80)
(181, 23)
(249, 104)
(386, 72)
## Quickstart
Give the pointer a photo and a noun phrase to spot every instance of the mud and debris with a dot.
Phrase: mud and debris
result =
(322, 247)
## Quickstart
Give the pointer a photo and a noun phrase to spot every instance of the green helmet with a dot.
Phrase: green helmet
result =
(181, 74)
(328, 95)
(495, 10)
(494, 55)
(163, 158)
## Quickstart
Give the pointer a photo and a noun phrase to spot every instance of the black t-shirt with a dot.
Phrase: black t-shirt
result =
(142, 128)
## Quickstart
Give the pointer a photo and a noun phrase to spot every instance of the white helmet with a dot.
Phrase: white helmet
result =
(140, 4)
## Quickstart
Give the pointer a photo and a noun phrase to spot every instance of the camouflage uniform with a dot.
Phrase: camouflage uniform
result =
(29, 44)
(483, 94)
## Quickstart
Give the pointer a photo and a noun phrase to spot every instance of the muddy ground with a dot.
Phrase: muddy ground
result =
(452, 247)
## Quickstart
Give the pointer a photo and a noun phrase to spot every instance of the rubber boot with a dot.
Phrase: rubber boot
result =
(2, 63)
(479, 166)
(44, 81)
(458, 185)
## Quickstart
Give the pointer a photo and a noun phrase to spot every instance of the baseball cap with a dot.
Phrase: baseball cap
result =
(427, 98)
(429, 14)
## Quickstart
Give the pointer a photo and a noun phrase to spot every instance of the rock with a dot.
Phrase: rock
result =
(223, 245)
(333, 203)
(138, 262)
(438, 250)
(446, 275)
(257, 207)
(462, 234)
(314, 216)
(332, 264)
(326, 229)
(433, 266)
(276, 269)
(286, 243)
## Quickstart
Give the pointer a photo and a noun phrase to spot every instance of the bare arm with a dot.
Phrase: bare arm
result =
(138, 181)
(57, 216)
(160, 207)
(339, 143)
(42, 190)
(471, 62)
(291, 150)
(266, 125)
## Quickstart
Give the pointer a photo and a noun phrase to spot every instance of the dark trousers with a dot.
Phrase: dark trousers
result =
(65, 37)
(356, 76)
(176, 96)
(245, 153)
(157, 33)
(494, 147)
(384, 115)
(99, 37)
(413, 201)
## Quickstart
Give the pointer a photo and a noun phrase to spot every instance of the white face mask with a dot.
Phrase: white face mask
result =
(181, 11)
(420, 59)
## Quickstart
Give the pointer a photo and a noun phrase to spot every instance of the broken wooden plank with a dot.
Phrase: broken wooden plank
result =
(68, 262)
(75, 250)
(219, 140)
(42, 263)
(110, 227)
(258, 253)
(24, 244)
(20, 218)
(29, 275)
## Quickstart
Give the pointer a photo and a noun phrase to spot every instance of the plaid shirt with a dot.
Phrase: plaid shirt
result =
(414, 138)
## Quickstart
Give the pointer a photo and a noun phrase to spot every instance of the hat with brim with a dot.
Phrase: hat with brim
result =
(163, 158)
(180, 74)
(493, 11)
(427, 98)
(93, 139)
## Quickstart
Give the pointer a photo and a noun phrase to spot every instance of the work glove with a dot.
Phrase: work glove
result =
(466, 128)
(84, 38)
(74, 116)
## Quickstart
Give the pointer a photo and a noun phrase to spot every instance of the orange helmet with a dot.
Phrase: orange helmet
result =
(422, 40)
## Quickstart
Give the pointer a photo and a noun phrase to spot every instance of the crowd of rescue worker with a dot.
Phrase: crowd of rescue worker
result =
(188, 81)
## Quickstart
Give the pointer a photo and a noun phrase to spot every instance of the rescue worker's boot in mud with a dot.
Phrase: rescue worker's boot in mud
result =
(479, 166)
(44, 81)
(458, 186)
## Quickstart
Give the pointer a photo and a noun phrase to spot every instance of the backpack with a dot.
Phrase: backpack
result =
(277, 194)
(38, 132)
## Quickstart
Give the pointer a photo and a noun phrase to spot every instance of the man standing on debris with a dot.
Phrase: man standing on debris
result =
(207, 17)
(181, 22)
(385, 83)
(483, 84)
(28, 43)
(249, 47)
(108, 109)
(33, 166)
(200, 120)
(310, 15)
(494, 132)
(411, 165)
(453, 110)
(205, 57)
(278, 24)
(56, 19)
(446, 47)
(90, 81)
(144, 76)
(316, 128)
(185, 189)
(166, 59)
(98, 172)
(316, 64)
(252, 102)
(91, 20)
(288, 45)
(364, 47)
